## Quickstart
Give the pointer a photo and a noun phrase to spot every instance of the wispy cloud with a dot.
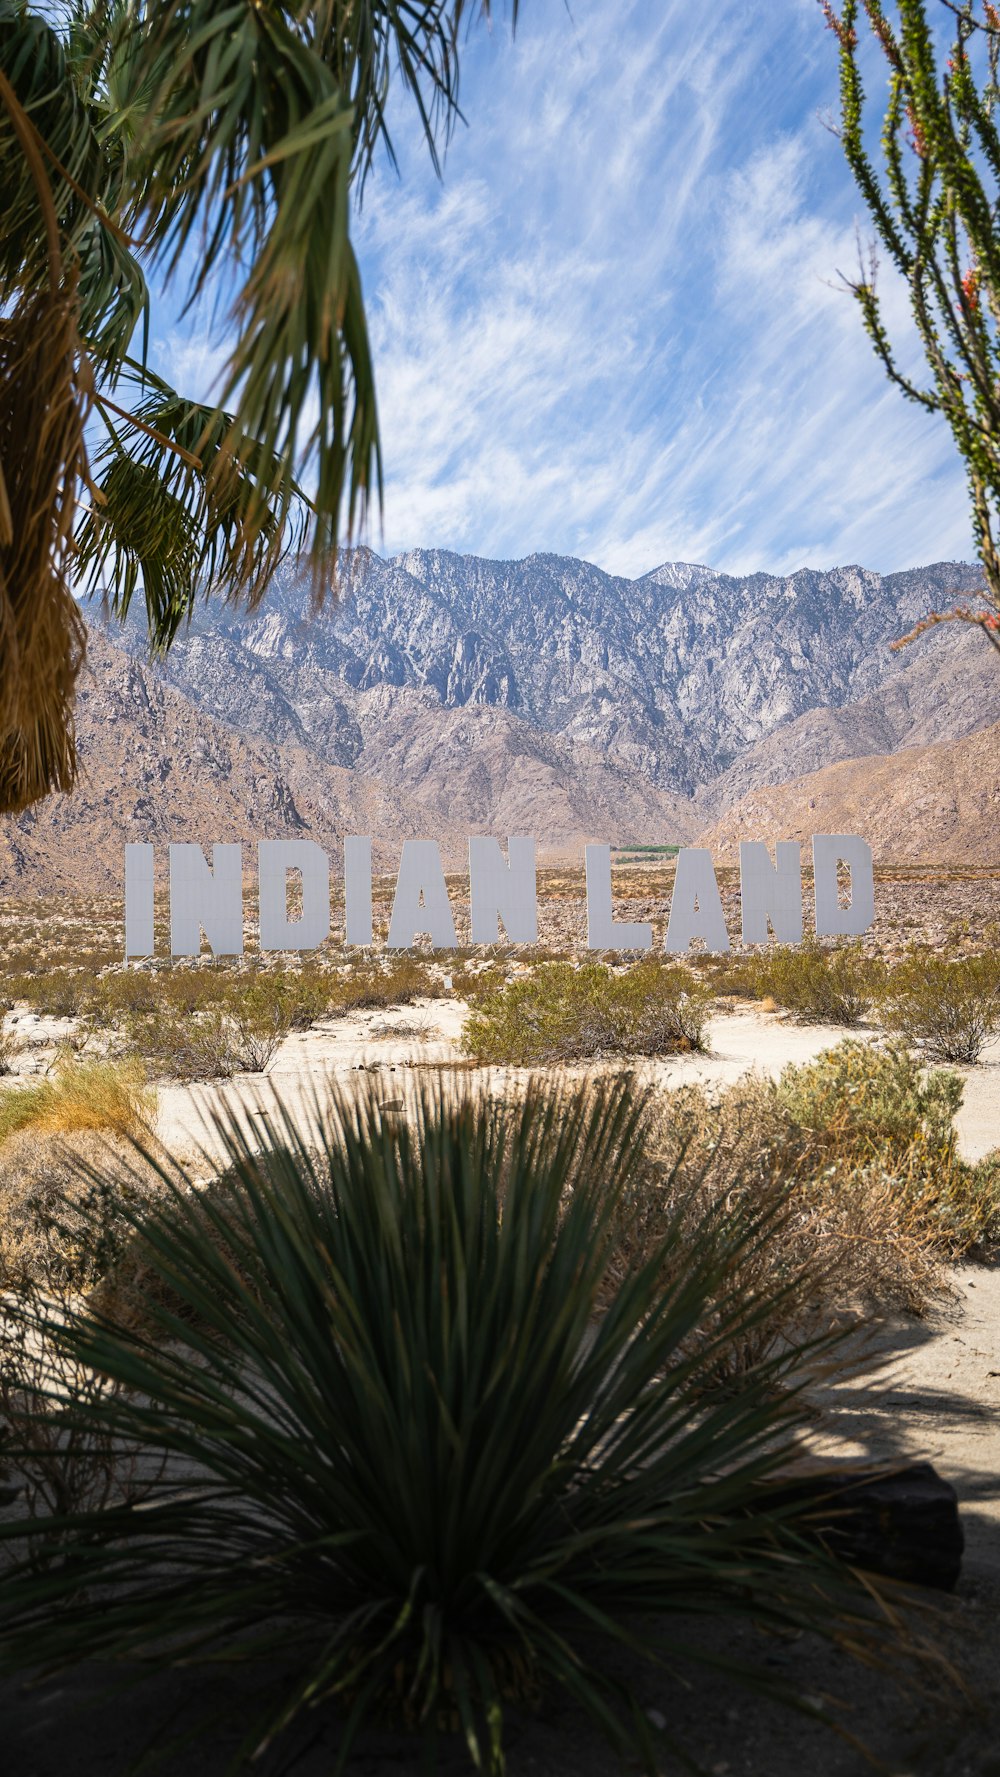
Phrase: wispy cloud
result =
(616, 329)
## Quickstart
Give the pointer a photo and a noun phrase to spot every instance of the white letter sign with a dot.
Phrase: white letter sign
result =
(833, 920)
(421, 900)
(695, 907)
(275, 857)
(771, 891)
(203, 899)
(138, 900)
(604, 932)
(358, 891)
(502, 896)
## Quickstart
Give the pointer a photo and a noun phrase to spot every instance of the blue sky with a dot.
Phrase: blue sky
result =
(616, 330)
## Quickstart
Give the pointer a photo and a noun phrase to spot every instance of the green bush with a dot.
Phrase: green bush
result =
(869, 1116)
(859, 1098)
(420, 1466)
(950, 1008)
(836, 986)
(561, 1013)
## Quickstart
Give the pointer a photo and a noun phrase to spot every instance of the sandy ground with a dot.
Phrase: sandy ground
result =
(398, 1044)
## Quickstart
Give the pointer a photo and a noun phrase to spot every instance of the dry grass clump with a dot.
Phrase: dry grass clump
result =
(852, 1157)
(80, 1095)
(870, 1115)
(561, 1013)
(950, 1007)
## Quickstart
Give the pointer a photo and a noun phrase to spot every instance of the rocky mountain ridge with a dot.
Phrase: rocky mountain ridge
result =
(442, 694)
(676, 676)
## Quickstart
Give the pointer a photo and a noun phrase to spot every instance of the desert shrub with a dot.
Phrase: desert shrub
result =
(871, 1120)
(951, 1008)
(62, 1199)
(53, 992)
(559, 1013)
(108, 1095)
(862, 1099)
(177, 1046)
(856, 1155)
(397, 981)
(421, 1468)
(9, 1049)
(823, 986)
(257, 1024)
(69, 1461)
(285, 998)
(837, 1246)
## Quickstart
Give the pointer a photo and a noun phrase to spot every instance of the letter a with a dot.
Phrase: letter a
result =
(695, 907)
(421, 903)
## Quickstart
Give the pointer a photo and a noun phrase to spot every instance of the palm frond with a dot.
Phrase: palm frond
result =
(188, 505)
(127, 130)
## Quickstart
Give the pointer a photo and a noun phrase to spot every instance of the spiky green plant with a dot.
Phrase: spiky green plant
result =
(405, 1448)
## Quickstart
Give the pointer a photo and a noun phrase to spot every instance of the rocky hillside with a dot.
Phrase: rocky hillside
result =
(936, 804)
(157, 767)
(676, 677)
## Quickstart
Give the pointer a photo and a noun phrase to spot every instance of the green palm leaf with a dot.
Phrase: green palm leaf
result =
(218, 139)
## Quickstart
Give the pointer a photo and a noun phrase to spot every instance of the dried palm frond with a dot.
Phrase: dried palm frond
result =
(42, 634)
(45, 391)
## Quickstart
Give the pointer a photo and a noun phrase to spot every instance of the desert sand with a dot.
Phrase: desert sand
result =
(400, 1044)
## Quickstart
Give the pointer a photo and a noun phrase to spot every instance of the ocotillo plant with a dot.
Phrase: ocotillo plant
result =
(933, 195)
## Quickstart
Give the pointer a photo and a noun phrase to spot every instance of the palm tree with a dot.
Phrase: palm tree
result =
(174, 139)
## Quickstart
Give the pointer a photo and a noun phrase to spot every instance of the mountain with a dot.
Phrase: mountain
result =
(155, 766)
(937, 803)
(945, 687)
(442, 694)
(676, 677)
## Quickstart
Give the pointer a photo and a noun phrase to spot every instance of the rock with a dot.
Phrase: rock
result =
(903, 1524)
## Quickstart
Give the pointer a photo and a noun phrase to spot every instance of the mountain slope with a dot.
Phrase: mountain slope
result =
(155, 767)
(444, 695)
(938, 803)
(674, 677)
(938, 694)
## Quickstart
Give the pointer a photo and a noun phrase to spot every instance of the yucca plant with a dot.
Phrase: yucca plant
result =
(402, 1445)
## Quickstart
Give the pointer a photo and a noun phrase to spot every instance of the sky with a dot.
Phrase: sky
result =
(616, 329)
